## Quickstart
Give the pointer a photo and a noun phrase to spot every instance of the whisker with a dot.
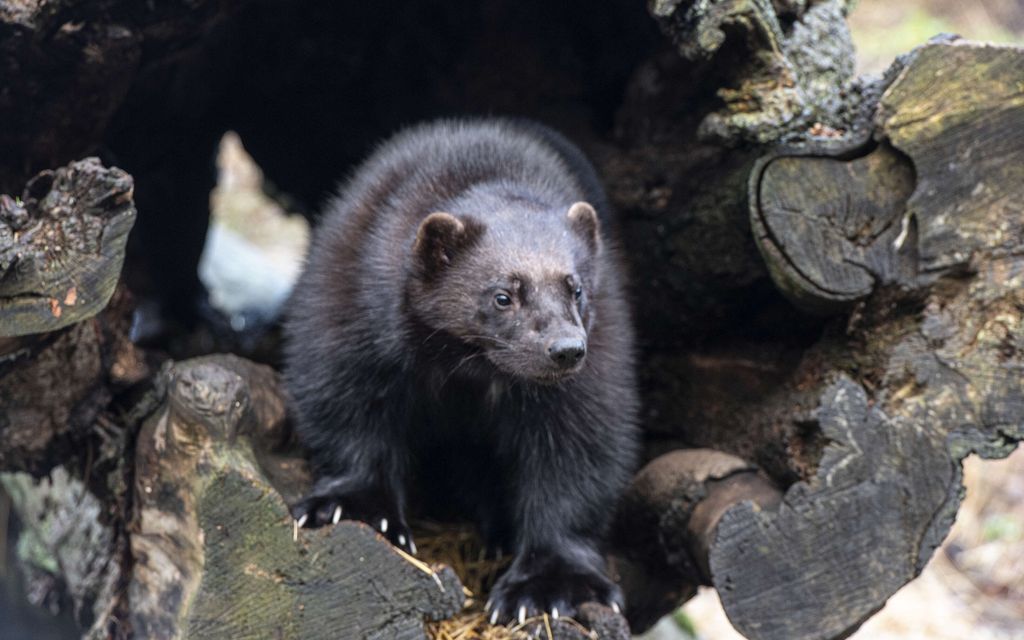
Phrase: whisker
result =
(461, 362)
(432, 334)
(498, 341)
(492, 339)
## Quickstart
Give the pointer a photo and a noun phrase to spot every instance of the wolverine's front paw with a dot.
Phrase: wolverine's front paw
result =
(551, 585)
(327, 506)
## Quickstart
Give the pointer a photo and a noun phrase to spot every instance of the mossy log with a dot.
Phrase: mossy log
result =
(164, 514)
(217, 554)
(211, 551)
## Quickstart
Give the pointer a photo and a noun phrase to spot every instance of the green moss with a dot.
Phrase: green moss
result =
(684, 623)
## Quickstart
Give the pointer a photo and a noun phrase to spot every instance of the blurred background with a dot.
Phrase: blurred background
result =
(883, 29)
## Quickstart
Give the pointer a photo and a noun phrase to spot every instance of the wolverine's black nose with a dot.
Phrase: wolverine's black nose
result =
(567, 352)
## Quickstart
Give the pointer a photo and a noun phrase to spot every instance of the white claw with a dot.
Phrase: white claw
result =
(897, 244)
(490, 603)
(295, 530)
(337, 515)
(401, 539)
(554, 613)
(383, 525)
(615, 607)
(301, 522)
(494, 616)
(522, 614)
(412, 547)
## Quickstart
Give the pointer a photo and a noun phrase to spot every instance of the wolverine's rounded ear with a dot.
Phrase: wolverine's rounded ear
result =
(441, 237)
(583, 220)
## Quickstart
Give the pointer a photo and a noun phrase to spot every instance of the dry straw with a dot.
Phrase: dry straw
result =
(459, 547)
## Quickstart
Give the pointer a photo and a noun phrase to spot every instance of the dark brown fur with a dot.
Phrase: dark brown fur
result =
(415, 383)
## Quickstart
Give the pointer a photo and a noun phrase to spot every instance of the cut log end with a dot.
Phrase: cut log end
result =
(667, 521)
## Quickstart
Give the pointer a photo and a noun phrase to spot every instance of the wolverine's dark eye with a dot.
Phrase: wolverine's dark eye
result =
(578, 292)
(502, 301)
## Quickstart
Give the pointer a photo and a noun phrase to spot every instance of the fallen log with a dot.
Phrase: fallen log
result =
(919, 237)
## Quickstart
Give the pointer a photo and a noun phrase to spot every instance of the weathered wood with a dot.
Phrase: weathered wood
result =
(927, 367)
(778, 81)
(862, 416)
(213, 541)
(666, 523)
(61, 250)
(839, 546)
(956, 110)
(862, 202)
(62, 246)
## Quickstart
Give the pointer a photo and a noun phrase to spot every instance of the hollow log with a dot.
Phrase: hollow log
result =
(826, 276)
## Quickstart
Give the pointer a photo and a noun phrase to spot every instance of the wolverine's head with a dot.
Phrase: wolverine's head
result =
(518, 288)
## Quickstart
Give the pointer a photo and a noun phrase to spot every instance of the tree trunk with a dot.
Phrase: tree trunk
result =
(827, 274)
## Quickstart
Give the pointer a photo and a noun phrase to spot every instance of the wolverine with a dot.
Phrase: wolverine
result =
(460, 346)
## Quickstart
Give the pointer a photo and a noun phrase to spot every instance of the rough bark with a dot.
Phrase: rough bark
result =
(61, 250)
(69, 549)
(925, 368)
(784, 65)
(62, 246)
